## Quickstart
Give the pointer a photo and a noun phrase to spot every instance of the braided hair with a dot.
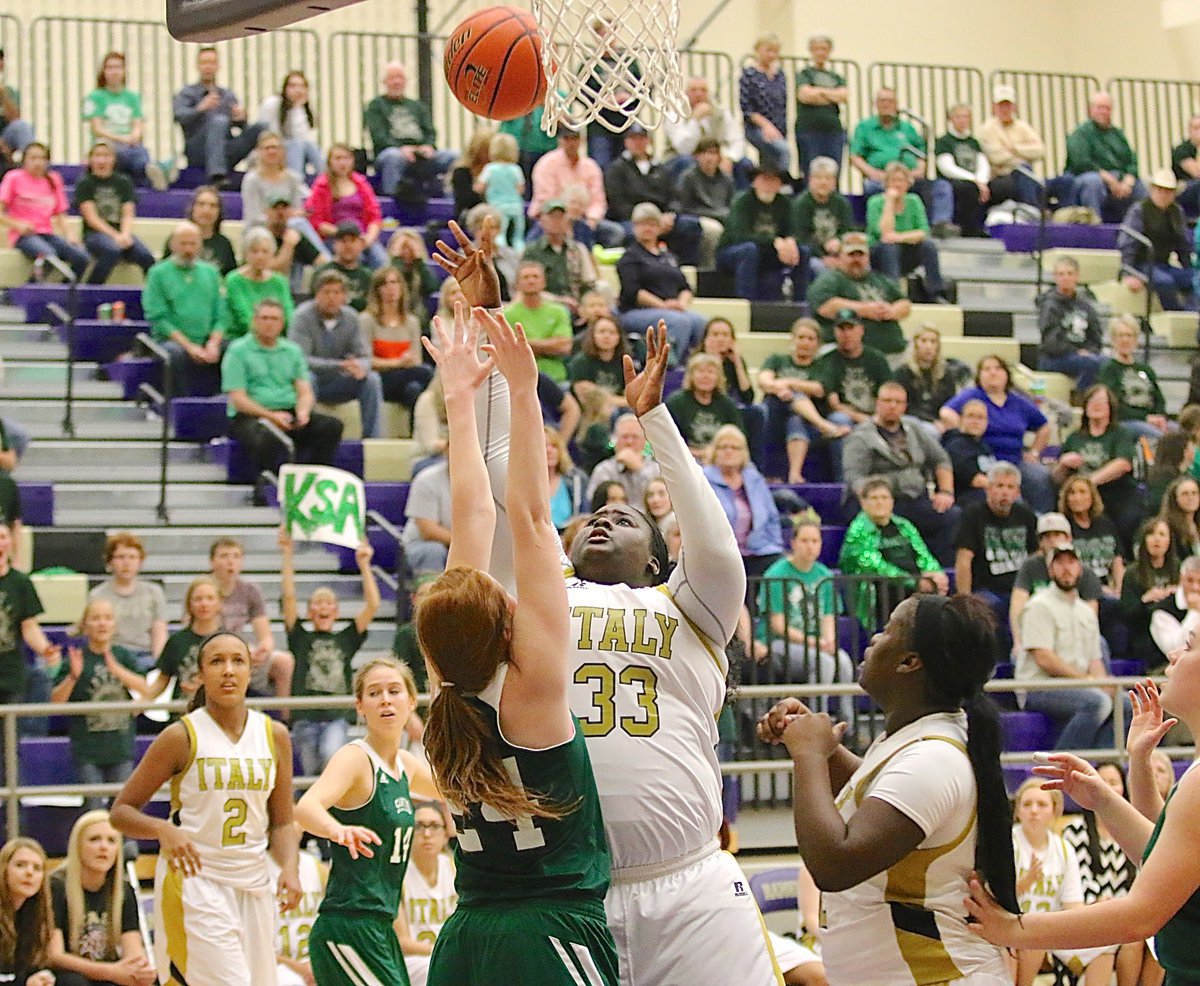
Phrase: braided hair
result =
(955, 637)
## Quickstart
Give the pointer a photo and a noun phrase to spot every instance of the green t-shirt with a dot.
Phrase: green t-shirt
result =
(910, 218)
(18, 602)
(102, 738)
(879, 145)
(608, 374)
(323, 666)
(964, 150)
(242, 294)
(358, 282)
(816, 223)
(1136, 387)
(885, 336)
(528, 131)
(180, 657)
(855, 381)
(109, 194)
(398, 123)
(822, 119)
(697, 422)
(1098, 450)
(549, 320)
(267, 375)
(10, 500)
(785, 368)
(117, 110)
(190, 300)
(802, 597)
(407, 650)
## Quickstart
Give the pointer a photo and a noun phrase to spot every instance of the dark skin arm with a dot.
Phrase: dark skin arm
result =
(284, 841)
(471, 265)
(842, 763)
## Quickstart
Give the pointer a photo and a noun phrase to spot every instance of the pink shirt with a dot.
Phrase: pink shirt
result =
(32, 200)
(554, 174)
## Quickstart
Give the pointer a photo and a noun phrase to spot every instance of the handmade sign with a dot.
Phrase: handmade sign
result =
(320, 503)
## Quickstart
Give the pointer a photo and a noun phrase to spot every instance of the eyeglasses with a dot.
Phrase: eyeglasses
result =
(429, 826)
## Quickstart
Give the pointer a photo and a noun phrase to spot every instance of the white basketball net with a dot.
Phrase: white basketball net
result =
(617, 56)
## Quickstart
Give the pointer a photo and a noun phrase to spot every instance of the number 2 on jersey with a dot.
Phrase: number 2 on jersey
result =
(235, 817)
(604, 681)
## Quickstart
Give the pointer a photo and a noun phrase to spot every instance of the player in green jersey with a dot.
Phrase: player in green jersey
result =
(533, 864)
(362, 803)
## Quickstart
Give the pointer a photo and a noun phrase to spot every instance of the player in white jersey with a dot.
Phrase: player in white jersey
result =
(649, 682)
(292, 929)
(429, 895)
(230, 771)
(926, 806)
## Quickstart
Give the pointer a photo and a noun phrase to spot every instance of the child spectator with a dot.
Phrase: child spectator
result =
(393, 336)
(323, 657)
(254, 280)
(113, 113)
(599, 365)
(106, 203)
(25, 914)
(99, 671)
(970, 455)
(341, 195)
(97, 938)
(33, 206)
(502, 185)
(139, 605)
(180, 657)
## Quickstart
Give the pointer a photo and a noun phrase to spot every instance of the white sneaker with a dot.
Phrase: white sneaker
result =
(157, 177)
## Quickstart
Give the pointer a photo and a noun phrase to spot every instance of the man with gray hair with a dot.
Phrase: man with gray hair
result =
(895, 447)
(402, 133)
(961, 161)
(707, 119)
(820, 95)
(820, 215)
(1177, 614)
(995, 537)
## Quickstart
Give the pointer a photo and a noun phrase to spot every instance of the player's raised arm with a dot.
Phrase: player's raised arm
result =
(709, 581)
(472, 517)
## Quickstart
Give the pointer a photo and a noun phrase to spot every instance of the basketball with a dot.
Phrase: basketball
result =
(493, 63)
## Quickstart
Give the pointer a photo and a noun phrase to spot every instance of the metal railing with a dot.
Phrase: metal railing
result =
(164, 400)
(66, 317)
(1154, 114)
(1053, 103)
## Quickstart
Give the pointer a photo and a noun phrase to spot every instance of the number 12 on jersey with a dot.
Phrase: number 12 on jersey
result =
(526, 834)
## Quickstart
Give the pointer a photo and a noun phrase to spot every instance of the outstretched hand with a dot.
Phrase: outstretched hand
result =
(1076, 778)
(644, 390)
(988, 919)
(509, 350)
(471, 264)
(456, 354)
(1147, 727)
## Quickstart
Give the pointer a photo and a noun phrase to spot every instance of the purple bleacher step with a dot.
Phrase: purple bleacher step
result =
(37, 503)
(1023, 237)
(1026, 731)
(101, 342)
(35, 298)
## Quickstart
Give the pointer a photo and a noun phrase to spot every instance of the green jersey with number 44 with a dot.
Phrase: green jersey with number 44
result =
(373, 885)
(516, 859)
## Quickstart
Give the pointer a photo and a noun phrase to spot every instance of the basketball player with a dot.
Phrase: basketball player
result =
(532, 862)
(918, 814)
(293, 928)
(647, 657)
(361, 801)
(230, 771)
(429, 896)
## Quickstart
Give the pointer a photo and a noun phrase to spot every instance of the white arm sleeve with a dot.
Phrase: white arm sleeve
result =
(1166, 631)
(709, 581)
(949, 168)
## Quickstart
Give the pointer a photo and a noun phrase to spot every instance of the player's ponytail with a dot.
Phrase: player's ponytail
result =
(956, 640)
(463, 628)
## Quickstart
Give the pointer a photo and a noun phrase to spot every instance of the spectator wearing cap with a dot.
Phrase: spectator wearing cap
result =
(293, 251)
(328, 333)
(1154, 233)
(568, 266)
(820, 95)
(1012, 147)
(763, 95)
(883, 138)
(1102, 163)
(636, 177)
(563, 168)
(898, 231)
(348, 247)
(707, 120)
(820, 215)
(15, 132)
(1185, 163)
(757, 242)
(1060, 637)
(894, 446)
(961, 161)
(547, 323)
(872, 298)
(271, 182)
(653, 287)
(706, 192)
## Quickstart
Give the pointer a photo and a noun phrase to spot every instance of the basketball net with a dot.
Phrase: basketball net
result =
(610, 62)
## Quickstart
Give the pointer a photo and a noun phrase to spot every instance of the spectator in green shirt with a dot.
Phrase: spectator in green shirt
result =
(851, 372)
(820, 215)
(1103, 164)
(184, 303)
(701, 405)
(348, 246)
(878, 140)
(253, 281)
(898, 231)
(402, 133)
(1141, 406)
(757, 239)
(873, 298)
(113, 112)
(547, 324)
(820, 94)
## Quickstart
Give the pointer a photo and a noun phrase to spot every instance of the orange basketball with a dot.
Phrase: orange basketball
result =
(493, 63)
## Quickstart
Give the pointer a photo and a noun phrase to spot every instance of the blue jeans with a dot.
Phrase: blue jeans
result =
(770, 152)
(1086, 712)
(132, 159)
(684, 328)
(818, 143)
(1037, 488)
(1169, 282)
(215, 146)
(391, 165)
(17, 135)
(1091, 191)
(404, 384)
(937, 195)
(317, 741)
(94, 773)
(897, 259)
(747, 261)
(1084, 367)
(338, 388)
(792, 662)
(35, 245)
(107, 253)
(302, 153)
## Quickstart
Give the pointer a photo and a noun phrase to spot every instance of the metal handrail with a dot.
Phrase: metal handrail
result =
(168, 377)
(1145, 276)
(67, 317)
(1043, 203)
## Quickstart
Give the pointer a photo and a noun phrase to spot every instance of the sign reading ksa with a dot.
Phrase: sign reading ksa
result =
(320, 503)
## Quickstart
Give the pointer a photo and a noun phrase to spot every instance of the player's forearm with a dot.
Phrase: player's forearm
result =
(134, 823)
(528, 495)
(284, 845)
